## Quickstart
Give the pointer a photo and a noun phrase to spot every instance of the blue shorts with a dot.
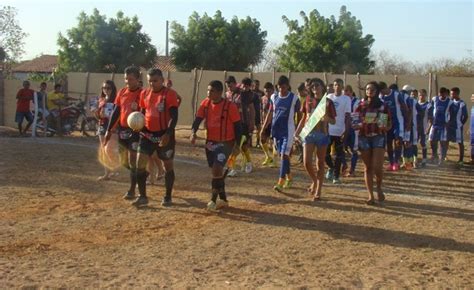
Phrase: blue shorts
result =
(372, 142)
(316, 138)
(438, 134)
(19, 116)
(283, 145)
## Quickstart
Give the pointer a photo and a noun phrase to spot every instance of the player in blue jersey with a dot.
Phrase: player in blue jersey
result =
(396, 104)
(439, 117)
(422, 123)
(411, 136)
(284, 106)
(458, 118)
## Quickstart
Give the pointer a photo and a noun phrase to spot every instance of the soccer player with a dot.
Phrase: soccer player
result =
(396, 104)
(375, 121)
(352, 140)
(126, 102)
(411, 135)
(284, 106)
(223, 130)
(243, 98)
(422, 123)
(265, 132)
(318, 138)
(439, 117)
(24, 96)
(456, 122)
(159, 104)
(339, 131)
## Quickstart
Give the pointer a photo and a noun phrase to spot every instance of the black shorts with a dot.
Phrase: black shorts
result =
(218, 152)
(128, 139)
(149, 142)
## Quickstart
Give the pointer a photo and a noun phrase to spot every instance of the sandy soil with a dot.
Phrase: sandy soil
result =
(59, 227)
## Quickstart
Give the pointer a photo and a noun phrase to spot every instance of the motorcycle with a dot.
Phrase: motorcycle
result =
(72, 118)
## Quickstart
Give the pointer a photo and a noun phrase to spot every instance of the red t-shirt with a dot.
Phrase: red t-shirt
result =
(220, 119)
(126, 100)
(157, 106)
(369, 119)
(24, 97)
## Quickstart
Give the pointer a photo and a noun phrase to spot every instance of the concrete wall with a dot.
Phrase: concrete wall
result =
(86, 85)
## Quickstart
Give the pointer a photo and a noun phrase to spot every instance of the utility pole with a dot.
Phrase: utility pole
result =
(167, 40)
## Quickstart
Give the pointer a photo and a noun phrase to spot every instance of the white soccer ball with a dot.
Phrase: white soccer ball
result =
(136, 121)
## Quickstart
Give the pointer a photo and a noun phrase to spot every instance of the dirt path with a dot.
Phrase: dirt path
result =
(59, 227)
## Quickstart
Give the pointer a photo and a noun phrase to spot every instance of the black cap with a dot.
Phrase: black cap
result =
(230, 79)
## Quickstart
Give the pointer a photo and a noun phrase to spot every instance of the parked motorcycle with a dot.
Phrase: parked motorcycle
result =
(72, 118)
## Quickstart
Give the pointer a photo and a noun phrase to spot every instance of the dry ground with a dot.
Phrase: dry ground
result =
(59, 227)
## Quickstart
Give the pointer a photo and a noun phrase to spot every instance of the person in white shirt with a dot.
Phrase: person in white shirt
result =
(339, 131)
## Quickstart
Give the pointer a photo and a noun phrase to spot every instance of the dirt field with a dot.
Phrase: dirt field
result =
(60, 227)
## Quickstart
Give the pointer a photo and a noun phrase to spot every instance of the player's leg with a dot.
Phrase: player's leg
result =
(366, 156)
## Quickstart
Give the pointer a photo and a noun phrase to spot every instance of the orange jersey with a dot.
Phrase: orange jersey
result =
(128, 102)
(157, 106)
(220, 119)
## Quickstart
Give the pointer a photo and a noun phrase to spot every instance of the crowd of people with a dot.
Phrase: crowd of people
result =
(321, 124)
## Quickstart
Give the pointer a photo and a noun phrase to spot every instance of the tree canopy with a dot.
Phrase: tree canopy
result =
(216, 44)
(100, 45)
(326, 44)
(11, 35)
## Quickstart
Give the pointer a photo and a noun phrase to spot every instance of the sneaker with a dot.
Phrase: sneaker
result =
(395, 167)
(267, 161)
(336, 181)
(129, 195)
(166, 201)
(278, 187)
(221, 204)
(211, 206)
(389, 167)
(232, 173)
(287, 183)
(248, 167)
(141, 200)
(423, 163)
(329, 174)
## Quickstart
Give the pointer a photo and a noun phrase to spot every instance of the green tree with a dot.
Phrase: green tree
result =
(98, 45)
(11, 35)
(215, 43)
(326, 44)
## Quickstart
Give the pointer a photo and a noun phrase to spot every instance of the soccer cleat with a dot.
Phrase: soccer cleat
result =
(287, 183)
(389, 167)
(278, 187)
(221, 204)
(248, 167)
(232, 173)
(267, 161)
(166, 201)
(336, 181)
(395, 167)
(141, 200)
(211, 206)
(329, 174)
(129, 195)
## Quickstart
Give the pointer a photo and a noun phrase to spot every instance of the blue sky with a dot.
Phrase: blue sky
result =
(417, 31)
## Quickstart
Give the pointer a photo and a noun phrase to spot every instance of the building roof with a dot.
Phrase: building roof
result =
(164, 63)
(42, 64)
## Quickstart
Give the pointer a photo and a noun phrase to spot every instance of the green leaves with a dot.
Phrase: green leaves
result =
(11, 35)
(217, 44)
(325, 44)
(100, 45)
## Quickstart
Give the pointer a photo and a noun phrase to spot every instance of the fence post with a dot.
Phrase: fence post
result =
(358, 84)
(194, 91)
(2, 99)
(436, 83)
(196, 99)
(430, 85)
(396, 79)
(345, 78)
(273, 75)
(325, 77)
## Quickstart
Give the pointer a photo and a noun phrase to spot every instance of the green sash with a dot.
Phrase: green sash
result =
(316, 116)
